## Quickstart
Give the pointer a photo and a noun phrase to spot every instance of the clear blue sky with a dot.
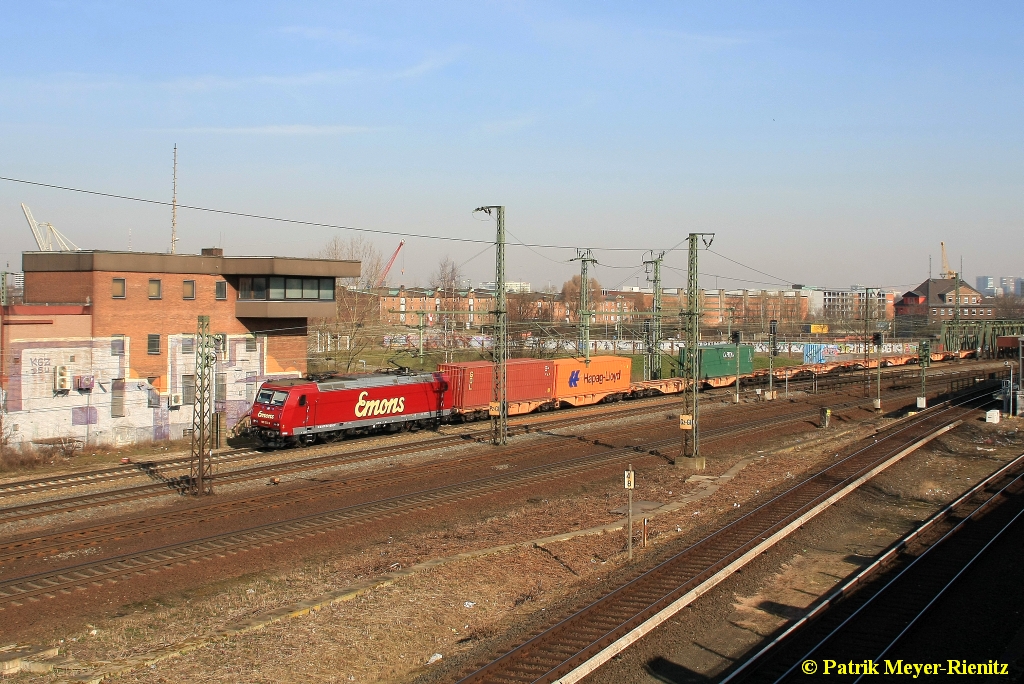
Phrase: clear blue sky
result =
(826, 143)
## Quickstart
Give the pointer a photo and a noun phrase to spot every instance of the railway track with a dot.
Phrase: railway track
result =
(163, 468)
(16, 591)
(42, 544)
(179, 485)
(868, 616)
(168, 471)
(579, 642)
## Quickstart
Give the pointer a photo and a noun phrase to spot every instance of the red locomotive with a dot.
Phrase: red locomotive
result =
(300, 411)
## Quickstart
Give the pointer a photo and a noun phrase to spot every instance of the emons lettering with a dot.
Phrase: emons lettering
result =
(378, 407)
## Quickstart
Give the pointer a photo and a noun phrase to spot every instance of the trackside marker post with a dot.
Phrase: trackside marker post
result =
(629, 481)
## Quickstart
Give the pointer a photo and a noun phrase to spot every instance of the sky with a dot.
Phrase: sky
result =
(826, 144)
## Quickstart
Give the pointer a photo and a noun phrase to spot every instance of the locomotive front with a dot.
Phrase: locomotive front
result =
(326, 409)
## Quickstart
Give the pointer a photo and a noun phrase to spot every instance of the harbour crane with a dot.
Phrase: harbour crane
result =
(387, 267)
(947, 272)
(48, 238)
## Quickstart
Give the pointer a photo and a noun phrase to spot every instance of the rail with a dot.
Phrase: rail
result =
(567, 645)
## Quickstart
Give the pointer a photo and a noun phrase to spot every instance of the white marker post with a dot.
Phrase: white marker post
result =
(629, 482)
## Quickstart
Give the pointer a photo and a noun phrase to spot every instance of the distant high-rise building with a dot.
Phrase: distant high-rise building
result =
(986, 285)
(1008, 286)
(515, 287)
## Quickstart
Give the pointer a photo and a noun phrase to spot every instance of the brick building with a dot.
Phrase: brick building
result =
(120, 326)
(398, 306)
(934, 301)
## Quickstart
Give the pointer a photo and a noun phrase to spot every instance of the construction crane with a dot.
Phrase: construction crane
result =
(947, 272)
(387, 267)
(48, 238)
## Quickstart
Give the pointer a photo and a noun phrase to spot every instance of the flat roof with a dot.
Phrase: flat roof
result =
(148, 262)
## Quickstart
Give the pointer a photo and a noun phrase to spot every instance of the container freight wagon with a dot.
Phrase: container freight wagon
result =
(288, 412)
(720, 362)
(529, 384)
(579, 384)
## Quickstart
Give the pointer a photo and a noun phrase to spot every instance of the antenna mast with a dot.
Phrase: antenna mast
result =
(174, 202)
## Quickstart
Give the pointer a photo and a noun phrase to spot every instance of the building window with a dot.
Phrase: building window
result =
(222, 289)
(152, 394)
(188, 390)
(221, 387)
(188, 289)
(154, 289)
(220, 343)
(118, 288)
(990, 312)
(117, 345)
(293, 288)
(327, 289)
(250, 343)
(117, 398)
(933, 312)
(152, 344)
(188, 346)
(277, 288)
(310, 288)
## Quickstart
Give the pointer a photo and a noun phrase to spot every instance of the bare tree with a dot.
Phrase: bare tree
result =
(447, 276)
(359, 249)
(355, 327)
(571, 295)
(1009, 307)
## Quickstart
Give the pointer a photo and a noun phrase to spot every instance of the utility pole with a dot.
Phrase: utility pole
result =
(691, 367)
(499, 405)
(421, 325)
(585, 257)
(174, 204)
(867, 354)
(956, 312)
(200, 463)
(773, 333)
(653, 365)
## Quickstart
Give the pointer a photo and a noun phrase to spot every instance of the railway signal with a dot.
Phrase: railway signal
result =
(924, 360)
(876, 339)
(737, 337)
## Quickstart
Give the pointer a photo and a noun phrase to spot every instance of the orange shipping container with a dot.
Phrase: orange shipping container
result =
(578, 384)
(471, 385)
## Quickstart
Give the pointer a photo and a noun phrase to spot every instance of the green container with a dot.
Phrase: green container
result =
(720, 361)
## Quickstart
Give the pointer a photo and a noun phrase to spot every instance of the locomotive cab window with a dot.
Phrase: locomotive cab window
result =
(269, 397)
(302, 400)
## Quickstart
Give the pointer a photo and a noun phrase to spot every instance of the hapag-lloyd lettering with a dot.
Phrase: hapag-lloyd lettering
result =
(378, 407)
(601, 378)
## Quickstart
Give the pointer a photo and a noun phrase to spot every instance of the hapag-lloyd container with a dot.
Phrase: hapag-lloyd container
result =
(471, 385)
(579, 384)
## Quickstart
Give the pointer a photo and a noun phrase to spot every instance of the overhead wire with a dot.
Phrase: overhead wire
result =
(745, 266)
(300, 222)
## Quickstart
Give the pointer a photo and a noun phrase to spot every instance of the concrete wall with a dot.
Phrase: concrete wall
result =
(39, 413)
